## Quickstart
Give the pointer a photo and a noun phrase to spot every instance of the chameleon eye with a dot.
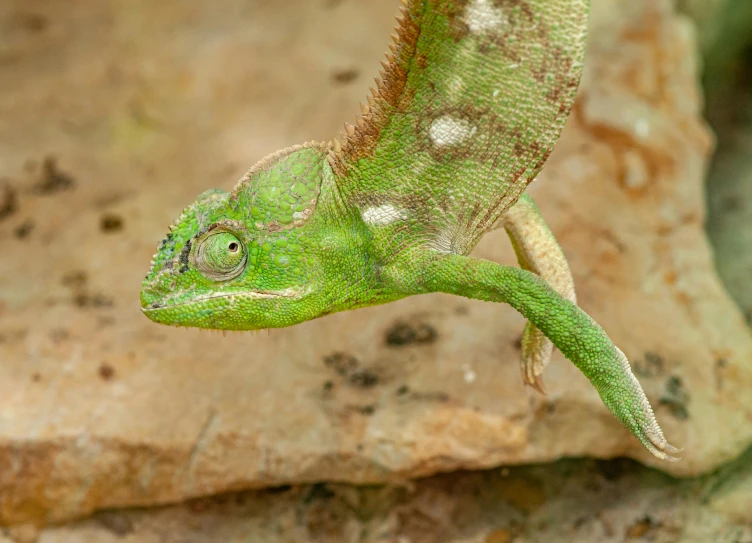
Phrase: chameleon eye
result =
(220, 256)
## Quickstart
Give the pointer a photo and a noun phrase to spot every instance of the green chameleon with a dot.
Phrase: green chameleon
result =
(471, 100)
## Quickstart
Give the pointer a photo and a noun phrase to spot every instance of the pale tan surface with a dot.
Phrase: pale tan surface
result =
(567, 502)
(146, 107)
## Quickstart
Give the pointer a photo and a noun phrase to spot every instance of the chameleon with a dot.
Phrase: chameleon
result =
(469, 103)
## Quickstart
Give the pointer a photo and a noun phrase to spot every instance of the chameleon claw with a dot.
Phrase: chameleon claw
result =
(537, 384)
(671, 449)
(532, 375)
(652, 438)
(658, 453)
(536, 354)
(660, 448)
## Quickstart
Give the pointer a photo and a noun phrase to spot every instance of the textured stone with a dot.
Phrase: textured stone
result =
(706, 14)
(733, 498)
(730, 188)
(570, 501)
(145, 105)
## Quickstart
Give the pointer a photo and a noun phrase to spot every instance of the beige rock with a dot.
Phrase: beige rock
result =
(732, 491)
(730, 198)
(707, 15)
(145, 105)
(24, 533)
(570, 501)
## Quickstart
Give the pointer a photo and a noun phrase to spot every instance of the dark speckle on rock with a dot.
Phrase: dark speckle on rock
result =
(8, 200)
(435, 396)
(106, 371)
(34, 23)
(676, 398)
(345, 76)
(87, 299)
(651, 366)
(23, 230)
(363, 378)
(348, 367)
(366, 410)
(53, 180)
(403, 333)
(75, 279)
(110, 222)
(341, 363)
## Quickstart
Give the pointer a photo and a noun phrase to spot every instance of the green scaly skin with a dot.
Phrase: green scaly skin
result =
(471, 101)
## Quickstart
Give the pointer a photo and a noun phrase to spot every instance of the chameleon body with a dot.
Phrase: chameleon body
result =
(471, 100)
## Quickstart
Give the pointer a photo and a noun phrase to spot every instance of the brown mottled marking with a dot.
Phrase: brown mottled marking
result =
(517, 28)
(492, 125)
(389, 95)
(500, 91)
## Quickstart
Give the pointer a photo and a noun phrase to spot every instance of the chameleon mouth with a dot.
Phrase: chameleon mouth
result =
(248, 310)
(289, 293)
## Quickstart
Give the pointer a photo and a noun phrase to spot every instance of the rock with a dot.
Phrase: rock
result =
(101, 408)
(730, 187)
(24, 533)
(731, 492)
(707, 14)
(582, 501)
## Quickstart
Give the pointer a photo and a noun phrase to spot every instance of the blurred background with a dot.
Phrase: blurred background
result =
(406, 423)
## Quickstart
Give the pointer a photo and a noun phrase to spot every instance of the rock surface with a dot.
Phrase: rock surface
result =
(115, 115)
(730, 186)
(568, 502)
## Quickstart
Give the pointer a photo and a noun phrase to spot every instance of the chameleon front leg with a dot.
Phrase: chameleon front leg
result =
(572, 330)
(537, 251)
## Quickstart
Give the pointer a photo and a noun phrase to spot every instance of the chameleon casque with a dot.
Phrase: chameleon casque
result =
(470, 102)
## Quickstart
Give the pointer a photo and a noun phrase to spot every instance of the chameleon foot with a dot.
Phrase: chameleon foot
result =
(536, 354)
(657, 445)
(629, 403)
(651, 436)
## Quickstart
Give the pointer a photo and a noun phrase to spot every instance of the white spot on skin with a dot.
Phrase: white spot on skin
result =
(456, 88)
(382, 215)
(481, 16)
(447, 130)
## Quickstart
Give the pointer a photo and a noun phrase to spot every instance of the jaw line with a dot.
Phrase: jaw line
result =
(291, 293)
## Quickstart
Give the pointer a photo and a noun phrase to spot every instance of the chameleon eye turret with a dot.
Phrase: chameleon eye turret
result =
(220, 256)
(471, 101)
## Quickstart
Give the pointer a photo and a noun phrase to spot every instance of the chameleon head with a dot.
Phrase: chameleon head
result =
(240, 260)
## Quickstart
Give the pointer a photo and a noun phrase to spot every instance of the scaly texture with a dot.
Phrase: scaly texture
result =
(537, 251)
(470, 105)
(472, 99)
(578, 336)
